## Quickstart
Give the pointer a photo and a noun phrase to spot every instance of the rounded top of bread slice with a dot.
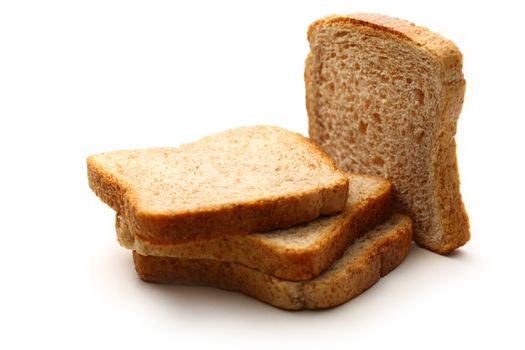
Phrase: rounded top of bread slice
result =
(435, 45)
(251, 173)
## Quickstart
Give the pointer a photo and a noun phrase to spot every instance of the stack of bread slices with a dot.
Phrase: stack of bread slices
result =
(257, 209)
(265, 211)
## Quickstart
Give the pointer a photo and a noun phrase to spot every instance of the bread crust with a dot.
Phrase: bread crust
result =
(257, 215)
(364, 210)
(451, 225)
(374, 256)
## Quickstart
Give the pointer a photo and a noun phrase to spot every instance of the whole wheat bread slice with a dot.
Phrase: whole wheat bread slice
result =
(297, 253)
(366, 260)
(383, 97)
(242, 180)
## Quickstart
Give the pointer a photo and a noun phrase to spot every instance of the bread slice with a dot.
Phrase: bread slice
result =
(243, 180)
(366, 260)
(297, 253)
(383, 97)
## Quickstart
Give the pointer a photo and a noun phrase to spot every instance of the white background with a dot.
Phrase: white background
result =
(81, 77)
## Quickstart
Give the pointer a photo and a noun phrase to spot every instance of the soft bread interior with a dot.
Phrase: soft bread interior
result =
(383, 97)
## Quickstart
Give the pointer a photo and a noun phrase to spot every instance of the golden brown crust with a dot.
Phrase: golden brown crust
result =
(439, 47)
(290, 263)
(451, 210)
(374, 262)
(454, 228)
(221, 220)
(239, 219)
(348, 278)
(377, 22)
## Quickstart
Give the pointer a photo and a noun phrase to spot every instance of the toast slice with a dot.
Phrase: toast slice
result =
(383, 97)
(366, 260)
(297, 253)
(239, 181)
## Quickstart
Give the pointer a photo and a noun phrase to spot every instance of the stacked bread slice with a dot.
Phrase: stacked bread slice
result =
(260, 210)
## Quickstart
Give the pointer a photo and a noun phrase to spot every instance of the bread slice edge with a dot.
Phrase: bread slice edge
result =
(266, 253)
(367, 260)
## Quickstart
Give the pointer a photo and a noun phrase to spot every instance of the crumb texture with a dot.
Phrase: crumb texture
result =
(237, 165)
(383, 98)
(238, 181)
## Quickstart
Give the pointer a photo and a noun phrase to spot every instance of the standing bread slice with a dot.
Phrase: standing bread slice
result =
(243, 180)
(383, 97)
